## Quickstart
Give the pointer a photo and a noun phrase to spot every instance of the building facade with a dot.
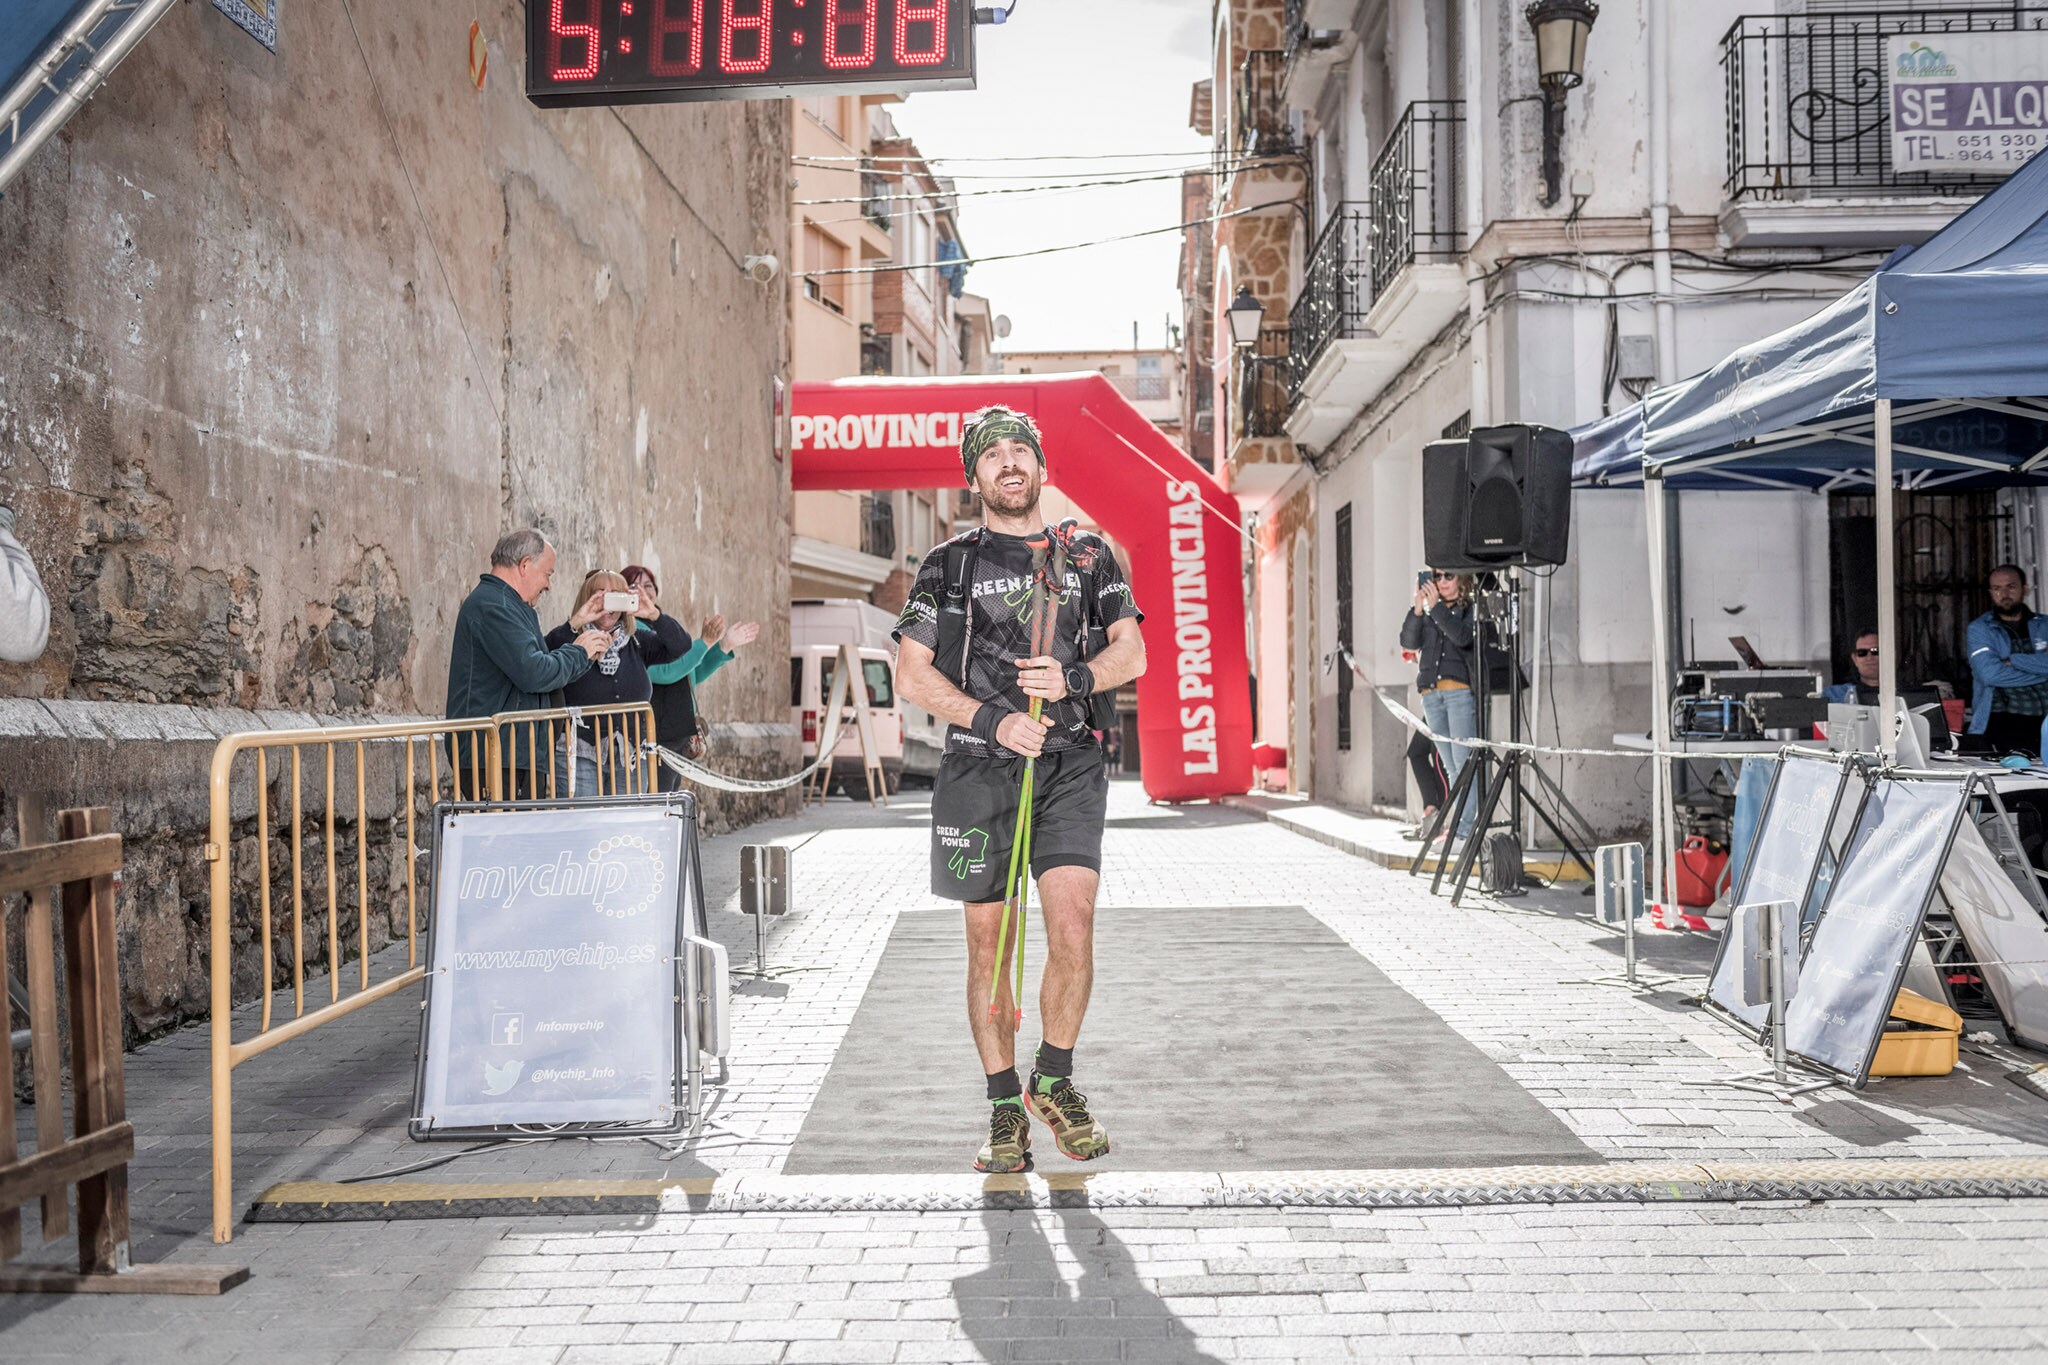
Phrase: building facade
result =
(1153, 380)
(1252, 213)
(1718, 174)
(866, 198)
(288, 339)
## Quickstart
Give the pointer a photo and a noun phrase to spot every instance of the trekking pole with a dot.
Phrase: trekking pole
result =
(1015, 889)
(1017, 886)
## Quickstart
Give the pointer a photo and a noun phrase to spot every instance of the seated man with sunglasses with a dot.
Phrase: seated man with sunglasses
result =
(1862, 690)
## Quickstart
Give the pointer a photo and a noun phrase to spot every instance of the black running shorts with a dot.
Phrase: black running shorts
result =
(974, 816)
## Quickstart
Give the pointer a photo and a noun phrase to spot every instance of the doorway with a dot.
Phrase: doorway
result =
(1945, 547)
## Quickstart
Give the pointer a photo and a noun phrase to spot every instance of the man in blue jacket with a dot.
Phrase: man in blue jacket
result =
(2009, 662)
(499, 661)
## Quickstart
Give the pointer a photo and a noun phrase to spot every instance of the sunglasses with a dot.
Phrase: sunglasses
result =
(1445, 577)
(1865, 653)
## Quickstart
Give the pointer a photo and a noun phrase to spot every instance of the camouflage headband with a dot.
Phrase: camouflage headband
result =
(995, 425)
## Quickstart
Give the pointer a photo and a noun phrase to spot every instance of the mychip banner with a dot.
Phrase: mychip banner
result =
(1967, 103)
(551, 992)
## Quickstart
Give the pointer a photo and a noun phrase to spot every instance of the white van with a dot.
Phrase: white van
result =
(811, 670)
(829, 622)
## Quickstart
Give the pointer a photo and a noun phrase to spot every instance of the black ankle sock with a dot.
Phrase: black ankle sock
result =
(1002, 1085)
(1054, 1061)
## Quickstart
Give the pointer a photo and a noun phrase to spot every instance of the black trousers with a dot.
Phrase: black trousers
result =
(1429, 776)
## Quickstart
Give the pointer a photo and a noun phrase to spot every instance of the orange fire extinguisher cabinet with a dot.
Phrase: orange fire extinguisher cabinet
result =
(1697, 869)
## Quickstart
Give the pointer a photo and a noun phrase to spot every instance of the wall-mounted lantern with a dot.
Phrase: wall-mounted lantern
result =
(1561, 28)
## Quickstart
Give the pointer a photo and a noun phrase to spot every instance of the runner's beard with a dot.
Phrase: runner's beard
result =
(1012, 504)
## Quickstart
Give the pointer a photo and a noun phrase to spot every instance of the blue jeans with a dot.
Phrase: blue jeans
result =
(1454, 714)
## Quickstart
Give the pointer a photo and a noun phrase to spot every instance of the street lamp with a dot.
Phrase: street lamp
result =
(1246, 315)
(1561, 28)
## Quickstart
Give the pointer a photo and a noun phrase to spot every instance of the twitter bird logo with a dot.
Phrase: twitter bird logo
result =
(499, 1079)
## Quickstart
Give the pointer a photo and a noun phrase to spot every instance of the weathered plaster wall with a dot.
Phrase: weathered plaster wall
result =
(287, 341)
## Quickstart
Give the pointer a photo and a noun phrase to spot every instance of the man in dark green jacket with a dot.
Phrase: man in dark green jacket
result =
(499, 660)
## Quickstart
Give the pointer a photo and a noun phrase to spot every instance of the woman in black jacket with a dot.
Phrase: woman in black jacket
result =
(618, 675)
(1439, 628)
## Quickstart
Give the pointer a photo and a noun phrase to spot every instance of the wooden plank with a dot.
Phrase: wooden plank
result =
(142, 1279)
(68, 1163)
(94, 980)
(24, 869)
(46, 1063)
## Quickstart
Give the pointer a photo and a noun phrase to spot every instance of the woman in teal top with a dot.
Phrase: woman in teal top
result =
(676, 724)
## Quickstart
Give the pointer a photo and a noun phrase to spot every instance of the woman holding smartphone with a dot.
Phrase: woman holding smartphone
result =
(1439, 628)
(618, 675)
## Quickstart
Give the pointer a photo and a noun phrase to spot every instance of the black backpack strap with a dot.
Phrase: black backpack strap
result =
(955, 606)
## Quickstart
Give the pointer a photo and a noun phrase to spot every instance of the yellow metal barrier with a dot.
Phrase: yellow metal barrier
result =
(515, 754)
(533, 743)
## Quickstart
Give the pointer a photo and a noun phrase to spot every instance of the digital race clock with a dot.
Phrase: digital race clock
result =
(643, 51)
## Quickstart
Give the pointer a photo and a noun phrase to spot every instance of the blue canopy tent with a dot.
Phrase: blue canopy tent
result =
(1931, 372)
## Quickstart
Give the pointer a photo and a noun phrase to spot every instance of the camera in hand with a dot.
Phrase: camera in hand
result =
(622, 601)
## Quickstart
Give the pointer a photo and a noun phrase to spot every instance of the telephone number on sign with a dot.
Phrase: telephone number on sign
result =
(2028, 141)
(1987, 154)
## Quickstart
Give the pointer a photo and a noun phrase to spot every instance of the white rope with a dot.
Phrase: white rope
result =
(1416, 723)
(750, 786)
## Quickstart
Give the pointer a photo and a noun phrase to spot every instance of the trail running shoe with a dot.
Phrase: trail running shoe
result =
(1008, 1148)
(1065, 1111)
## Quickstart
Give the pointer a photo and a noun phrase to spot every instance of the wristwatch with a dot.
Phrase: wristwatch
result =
(1080, 680)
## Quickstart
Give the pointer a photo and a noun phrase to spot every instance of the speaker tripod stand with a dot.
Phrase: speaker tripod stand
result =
(1487, 774)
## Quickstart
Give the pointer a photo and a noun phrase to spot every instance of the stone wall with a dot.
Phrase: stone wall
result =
(287, 340)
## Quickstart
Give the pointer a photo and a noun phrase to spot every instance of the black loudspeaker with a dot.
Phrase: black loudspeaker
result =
(1499, 497)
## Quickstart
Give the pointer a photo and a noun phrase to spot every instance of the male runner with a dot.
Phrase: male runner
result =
(974, 806)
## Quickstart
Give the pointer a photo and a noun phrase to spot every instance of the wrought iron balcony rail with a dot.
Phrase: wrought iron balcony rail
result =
(878, 525)
(1263, 128)
(1336, 289)
(1807, 106)
(1418, 190)
(874, 202)
(1264, 392)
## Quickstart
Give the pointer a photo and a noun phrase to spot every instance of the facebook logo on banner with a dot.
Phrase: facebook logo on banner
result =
(507, 1029)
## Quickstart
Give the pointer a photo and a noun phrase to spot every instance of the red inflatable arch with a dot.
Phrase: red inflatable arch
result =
(1181, 528)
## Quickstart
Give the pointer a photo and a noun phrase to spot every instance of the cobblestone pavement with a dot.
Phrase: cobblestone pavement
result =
(1624, 1071)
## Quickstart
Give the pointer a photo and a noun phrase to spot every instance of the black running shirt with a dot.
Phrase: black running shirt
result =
(999, 631)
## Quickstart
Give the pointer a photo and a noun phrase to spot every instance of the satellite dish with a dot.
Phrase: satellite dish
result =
(1002, 326)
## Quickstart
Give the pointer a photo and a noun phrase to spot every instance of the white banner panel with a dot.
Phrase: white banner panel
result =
(1975, 103)
(551, 993)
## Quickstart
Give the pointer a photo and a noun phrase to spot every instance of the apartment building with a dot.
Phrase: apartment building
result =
(1252, 213)
(1153, 380)
(1470, 244)
(867, 199)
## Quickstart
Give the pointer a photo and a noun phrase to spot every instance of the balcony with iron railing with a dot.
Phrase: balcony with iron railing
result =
(1263, 127)
(878, 525)
(1336, 289)
(1383, 278)
(1417, 190)
(1808, 104)
(1262, 388)
(875, 204)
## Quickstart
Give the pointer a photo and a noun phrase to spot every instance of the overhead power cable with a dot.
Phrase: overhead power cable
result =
(1039, 251)
(1007, 189)
(1048, 156)
(1200, 166)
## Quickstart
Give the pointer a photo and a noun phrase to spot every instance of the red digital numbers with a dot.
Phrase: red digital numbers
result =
(559, 31)
(760, 24)
(910, 12)
(842, 16)
(581, 50)
(668, 23)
